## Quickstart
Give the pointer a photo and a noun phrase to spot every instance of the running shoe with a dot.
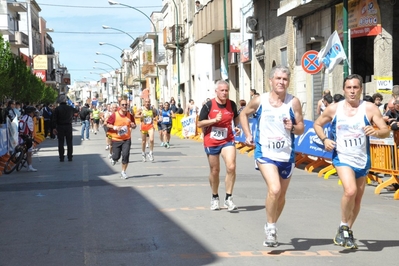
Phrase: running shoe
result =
(167, 145)
(123, 175)
(215, 204)
(143, 156)
(109, 156)
(350, 241)
(150, 157)
(31, 169)
(229, 204)
(112, 162)
(107, 147)
(162, 144)
(271, 237)
(341, 236)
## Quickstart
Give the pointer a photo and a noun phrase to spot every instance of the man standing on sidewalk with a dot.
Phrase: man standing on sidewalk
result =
(218, 120)
(62, 123)
(279, 118)
(120, 124)
(85, 119)
(352, 123)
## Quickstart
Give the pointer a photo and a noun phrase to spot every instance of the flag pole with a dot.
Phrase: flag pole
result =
(345, 32)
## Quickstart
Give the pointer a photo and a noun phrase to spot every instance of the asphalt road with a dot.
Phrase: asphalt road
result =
(83, 213)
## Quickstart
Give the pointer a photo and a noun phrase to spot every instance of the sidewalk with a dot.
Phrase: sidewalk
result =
(83, 213)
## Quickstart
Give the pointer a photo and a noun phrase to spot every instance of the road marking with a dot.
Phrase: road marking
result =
(172, 185)
(178, 167)
(271, 253)
(85, 174)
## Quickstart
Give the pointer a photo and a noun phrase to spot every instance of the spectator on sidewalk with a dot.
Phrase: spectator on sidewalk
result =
(85, 113)
(47, 114)
(26, 133)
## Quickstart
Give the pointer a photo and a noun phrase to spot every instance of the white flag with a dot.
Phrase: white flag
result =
(332, 53)
(223, 70)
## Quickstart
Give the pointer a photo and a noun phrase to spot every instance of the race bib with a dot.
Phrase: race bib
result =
(166, 119)
(218, 133)
(274, 144)
(123, 131)
(148, 120)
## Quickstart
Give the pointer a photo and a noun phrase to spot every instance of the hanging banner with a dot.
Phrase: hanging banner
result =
(235, 42)
(189, 125)
(364, 18)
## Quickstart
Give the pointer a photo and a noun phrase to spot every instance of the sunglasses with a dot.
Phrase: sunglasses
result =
(123, 104)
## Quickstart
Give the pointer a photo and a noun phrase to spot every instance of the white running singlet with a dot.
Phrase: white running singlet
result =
(352, 143)
(272, 139)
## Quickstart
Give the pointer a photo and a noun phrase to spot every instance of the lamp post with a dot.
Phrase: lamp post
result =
(155, 29)
(105, 43)
(226, 45)
(177, 52)
(133, 39)
(120, 76)
(98, 62)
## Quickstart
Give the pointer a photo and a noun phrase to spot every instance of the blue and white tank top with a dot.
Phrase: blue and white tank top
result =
(166, 117)
(352, 144)
(272, 140)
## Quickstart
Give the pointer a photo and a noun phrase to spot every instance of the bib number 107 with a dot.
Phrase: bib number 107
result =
(275, 145)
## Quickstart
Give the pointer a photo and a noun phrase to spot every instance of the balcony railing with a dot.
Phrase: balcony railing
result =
(170, 38)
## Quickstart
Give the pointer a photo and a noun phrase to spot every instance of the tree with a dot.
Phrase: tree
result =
(17, 80)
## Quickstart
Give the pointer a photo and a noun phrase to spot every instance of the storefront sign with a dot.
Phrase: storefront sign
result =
(246, 51)
(40, 62)
(41, 74)
(364, 18)
(235, 42)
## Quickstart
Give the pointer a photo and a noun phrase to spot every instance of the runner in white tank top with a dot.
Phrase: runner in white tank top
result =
(352, 121)
(279, 117)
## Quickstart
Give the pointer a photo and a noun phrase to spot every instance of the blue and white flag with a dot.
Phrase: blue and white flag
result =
(223, 70)
(332, 53)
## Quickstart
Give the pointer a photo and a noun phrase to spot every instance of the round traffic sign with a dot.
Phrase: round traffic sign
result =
(310, 63)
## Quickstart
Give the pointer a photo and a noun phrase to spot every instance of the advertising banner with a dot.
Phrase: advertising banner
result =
(41, 74)
(235, 42)
(189, 125)
(3, 139)
(364, 18)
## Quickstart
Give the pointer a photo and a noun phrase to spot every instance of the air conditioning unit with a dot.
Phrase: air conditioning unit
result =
(251, 24)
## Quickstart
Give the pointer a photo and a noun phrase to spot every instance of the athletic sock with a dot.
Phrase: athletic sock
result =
(228, 195)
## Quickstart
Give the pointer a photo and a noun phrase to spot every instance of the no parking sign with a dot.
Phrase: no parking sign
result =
(310, 63)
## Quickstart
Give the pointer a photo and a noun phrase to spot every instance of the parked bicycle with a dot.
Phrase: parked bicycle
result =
(19, 157)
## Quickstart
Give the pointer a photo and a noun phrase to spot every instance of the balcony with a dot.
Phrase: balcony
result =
(149, 70)
(300, 7)
(170, 38)
(19, 39)
(16, 7)
(209, 22)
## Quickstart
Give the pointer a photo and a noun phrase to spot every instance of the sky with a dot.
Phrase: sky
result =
(77, 26)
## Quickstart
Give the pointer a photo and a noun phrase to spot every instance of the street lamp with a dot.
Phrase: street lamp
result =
(98, 62)
(101, 69)
(98, 53)
(133, 39)
(105, 43)
(155, 29)
(120, 76)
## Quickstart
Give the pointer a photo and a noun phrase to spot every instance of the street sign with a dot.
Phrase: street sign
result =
(310, 63)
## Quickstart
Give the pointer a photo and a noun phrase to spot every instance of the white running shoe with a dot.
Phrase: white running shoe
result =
(112, 162)
(123, 175)
(107, 147)
(215, 204)
(162, 144)
(31, 169)
(143, 156)
(150, 157)
(271, 237)
(229, 204)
